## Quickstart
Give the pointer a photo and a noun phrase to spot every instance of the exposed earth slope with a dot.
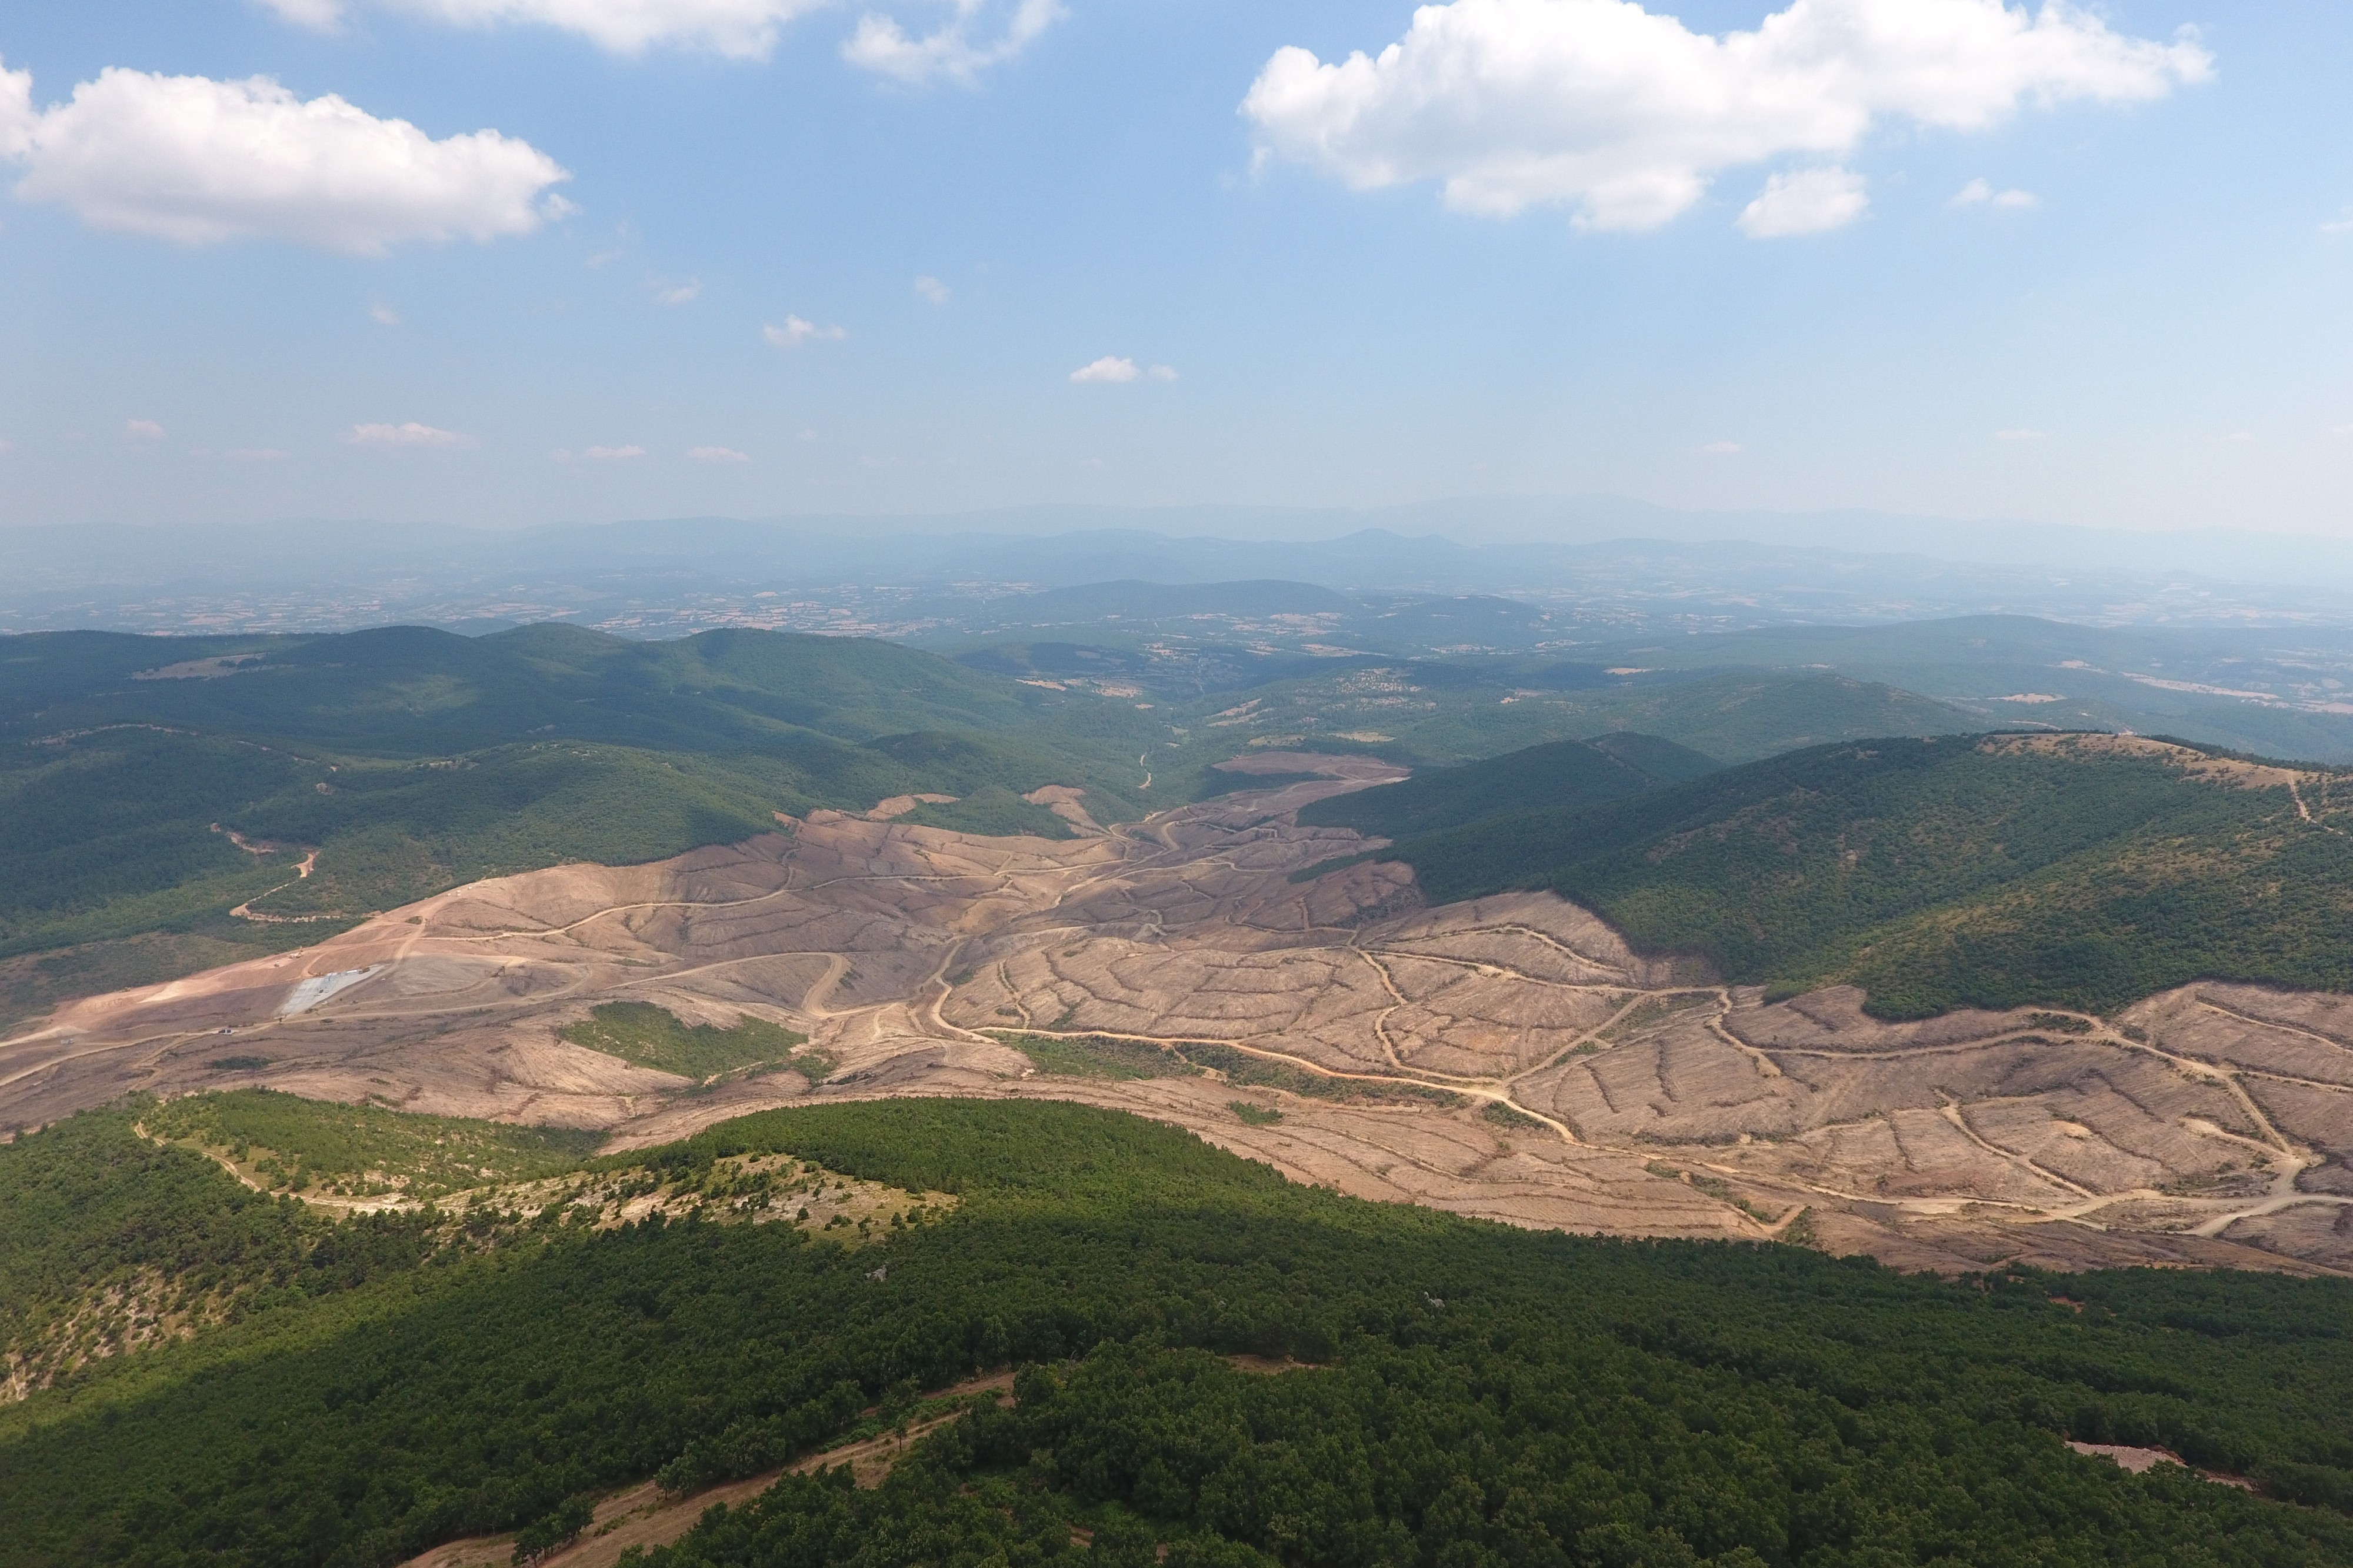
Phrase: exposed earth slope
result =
(1507, 1056)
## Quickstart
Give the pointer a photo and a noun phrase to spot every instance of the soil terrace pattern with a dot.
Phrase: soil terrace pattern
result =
(2211, 1125)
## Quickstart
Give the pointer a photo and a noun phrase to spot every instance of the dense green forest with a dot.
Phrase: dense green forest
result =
(108, 1239)
(1563, 774)
(1466, 1393)
(1939, 874)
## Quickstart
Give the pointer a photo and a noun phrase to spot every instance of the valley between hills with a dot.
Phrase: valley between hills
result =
(1508, 1056)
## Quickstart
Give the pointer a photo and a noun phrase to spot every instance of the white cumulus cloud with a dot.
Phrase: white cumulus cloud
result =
(796, 332)
(932, 292)
(612, 454)
(743, 29)
(409, 435)
(1626, 115)
(718, 454)
(17, 120)
(1110, 368)
(1811, 201)
(951, 50)
(189, 159)
(1980, 193)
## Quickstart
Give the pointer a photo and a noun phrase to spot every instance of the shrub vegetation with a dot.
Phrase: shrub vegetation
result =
(656, 1038)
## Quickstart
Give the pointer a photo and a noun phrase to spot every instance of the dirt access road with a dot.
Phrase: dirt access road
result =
(1508, 1057)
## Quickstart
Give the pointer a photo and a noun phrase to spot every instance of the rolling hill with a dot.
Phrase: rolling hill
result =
(1998, 871)
(160, 799)
(1201, 1358)
(1563, 773)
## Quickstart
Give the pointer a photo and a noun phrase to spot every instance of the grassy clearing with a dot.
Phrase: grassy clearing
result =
(651, 1037)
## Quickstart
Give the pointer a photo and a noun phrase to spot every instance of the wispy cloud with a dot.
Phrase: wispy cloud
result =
(612, 454)
(411, 434)
(384, 315)
(742, 30)
(668, 293)
(2022, 435)
(142, 429)
(950, 51)
(718, 454)
(1980, 193)
(932, 292)
(796, 332)
(1724, 448)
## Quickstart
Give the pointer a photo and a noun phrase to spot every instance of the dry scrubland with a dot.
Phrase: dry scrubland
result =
(1507, 1058)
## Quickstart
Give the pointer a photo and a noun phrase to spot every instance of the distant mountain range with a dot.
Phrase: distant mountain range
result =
(1605, 562)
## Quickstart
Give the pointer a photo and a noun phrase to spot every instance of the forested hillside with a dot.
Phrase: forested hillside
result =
(150, 787)
(1563, 773)
(1463, 1392)
(2002, 871)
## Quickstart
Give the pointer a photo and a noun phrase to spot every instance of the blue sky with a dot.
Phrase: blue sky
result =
(1357, 311)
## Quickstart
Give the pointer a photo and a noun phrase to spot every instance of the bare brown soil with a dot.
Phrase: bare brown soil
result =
(1593, 1090)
